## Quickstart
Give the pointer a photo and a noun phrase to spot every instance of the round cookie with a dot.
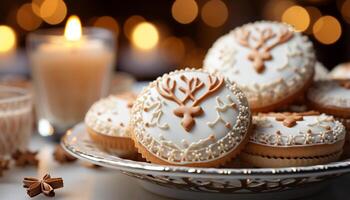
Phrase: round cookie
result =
(341, 71)
(107, 123)
(300, 105)
(294, 139)
(269, 61)
(333, 97)
(190, 118)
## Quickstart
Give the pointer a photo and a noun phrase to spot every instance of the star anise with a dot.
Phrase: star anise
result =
(61, 156)
(4, 165)
(25, 158)
(46, 186)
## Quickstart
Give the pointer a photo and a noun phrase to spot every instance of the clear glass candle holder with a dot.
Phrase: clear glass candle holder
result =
(15, 119)
(69, 76)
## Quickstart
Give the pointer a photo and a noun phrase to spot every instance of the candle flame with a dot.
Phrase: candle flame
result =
(73, 30)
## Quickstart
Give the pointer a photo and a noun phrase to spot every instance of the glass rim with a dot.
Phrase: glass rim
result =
(58, 32)
(19, 94)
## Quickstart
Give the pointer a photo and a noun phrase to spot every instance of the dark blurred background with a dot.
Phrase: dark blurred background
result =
(181, 31)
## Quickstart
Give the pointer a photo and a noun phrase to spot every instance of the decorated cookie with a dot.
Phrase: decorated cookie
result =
(300, 105)
(107, 122)
(269, 61)
(332, 97)
(341, 71)
(190, 118)
(294, 139)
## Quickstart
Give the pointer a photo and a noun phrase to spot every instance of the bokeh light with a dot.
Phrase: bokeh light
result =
(327, 30)
(274, 9)
(184, 11)
(36, 4)
(53, 11)
(145, 36)
(130, 24)
(26, 18)
(7, 38)
(298, 17)
(107, 22)
(214, 13)
(314, 14)
(175, 47)
(194, 58)
(345, 10)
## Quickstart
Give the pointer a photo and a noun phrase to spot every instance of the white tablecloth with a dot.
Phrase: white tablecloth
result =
(80, 182)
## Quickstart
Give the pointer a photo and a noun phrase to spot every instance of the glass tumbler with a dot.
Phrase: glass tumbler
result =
(15, 119)
(69, 76)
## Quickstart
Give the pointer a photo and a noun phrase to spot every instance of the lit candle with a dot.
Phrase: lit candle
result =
(70, 72)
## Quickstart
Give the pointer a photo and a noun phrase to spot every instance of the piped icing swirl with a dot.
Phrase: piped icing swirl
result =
(270, 130)
(111, 115)
(190, 116)
(268, 60)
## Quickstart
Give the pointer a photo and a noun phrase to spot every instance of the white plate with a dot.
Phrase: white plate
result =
(209, 183)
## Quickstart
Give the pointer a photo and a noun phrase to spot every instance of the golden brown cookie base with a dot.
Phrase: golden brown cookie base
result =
(275, 162)
(294, 151)
(346, 150)
(336, 111)
(121, 146)
(215, 163)
(286, 101)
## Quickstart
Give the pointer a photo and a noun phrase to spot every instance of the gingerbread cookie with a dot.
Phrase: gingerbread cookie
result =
(332, 97)
(191, 118)
(341, 71)
(269, 61)
(294, 139)
(107, 123)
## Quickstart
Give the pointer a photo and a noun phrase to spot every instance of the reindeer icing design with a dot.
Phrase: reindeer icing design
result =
(260, 52)
(185, 110)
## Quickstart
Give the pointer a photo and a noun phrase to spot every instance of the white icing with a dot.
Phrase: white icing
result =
(220, 108)
(329, 93)
(203, 142)
(154, 106)
(110, 116)
(291, 67)
(312, 130)
(345, 122)
(341, 71)
(321, 72)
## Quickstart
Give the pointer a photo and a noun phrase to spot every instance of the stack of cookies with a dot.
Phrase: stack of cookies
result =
(229, 110)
